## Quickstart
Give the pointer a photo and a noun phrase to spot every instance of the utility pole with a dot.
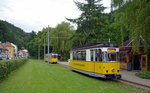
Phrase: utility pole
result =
(44, 50)
(39, 52)
(48, 44)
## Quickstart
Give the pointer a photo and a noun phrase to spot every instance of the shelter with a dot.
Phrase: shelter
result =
(134, 61)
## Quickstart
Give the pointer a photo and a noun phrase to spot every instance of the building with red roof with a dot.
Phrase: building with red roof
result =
(3, 51)
(10, 49)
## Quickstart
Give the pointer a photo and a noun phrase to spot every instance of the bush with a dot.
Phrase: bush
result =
(8, 66)
(145, 75)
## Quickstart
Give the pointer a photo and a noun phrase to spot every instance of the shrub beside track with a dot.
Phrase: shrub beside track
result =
(7, 66)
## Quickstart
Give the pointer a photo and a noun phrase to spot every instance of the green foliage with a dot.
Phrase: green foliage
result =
(13, 34)
(134, 16)
(33, 47)
(8, 66)
(38, 77)
(96, 26)
(91, 24)
(145, 75)
(60, 40)
(118, 33)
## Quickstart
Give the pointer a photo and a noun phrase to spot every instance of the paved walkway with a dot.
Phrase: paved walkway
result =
(64, 63)
(126, 75)
(130, 76)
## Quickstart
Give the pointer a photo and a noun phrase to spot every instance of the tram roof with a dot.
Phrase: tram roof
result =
(95, 45)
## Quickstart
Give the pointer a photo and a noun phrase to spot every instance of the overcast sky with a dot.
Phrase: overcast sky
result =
(35, 14)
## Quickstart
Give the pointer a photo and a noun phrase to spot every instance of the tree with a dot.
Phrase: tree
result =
(60, 40)
(135, 17)
(13, 34)
(90, 22)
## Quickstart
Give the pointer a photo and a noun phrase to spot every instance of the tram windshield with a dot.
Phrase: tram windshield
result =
(54, 56)
(110, 57)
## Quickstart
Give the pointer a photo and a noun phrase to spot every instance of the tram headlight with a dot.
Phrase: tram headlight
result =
(113, 70)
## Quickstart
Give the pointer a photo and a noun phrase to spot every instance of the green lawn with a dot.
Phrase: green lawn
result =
(38, 77)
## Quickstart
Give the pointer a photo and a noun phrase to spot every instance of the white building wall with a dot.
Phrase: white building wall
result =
(15, 49)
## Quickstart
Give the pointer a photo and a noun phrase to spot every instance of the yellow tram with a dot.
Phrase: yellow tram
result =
(96, 59)
(53, 58)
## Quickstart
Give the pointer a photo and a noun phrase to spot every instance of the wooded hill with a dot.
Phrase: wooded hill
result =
(128, 20)
(13, 34)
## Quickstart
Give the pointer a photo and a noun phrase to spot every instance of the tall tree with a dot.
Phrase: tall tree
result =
(90, 22)
(135, 16)
(60, 40)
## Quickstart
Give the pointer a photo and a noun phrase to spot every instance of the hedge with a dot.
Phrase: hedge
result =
(8, 66)
(145, 75)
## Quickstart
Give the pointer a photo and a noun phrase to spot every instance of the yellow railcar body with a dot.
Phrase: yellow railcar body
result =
(107, 67)
(52, 60)
(96, 67)
(82, 65)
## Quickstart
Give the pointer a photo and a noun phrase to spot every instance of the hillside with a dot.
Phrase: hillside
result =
(11, 33)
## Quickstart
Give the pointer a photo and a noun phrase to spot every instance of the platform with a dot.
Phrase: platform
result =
(130, 76)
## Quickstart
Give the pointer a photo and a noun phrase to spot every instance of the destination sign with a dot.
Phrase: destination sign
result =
(111, 49)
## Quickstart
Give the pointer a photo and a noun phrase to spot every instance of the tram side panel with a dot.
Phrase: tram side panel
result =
(82, 65)
(107, 68)
(53, 60)
(46, 59)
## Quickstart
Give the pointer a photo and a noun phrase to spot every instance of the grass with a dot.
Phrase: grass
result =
(38, 77)
(145, 75)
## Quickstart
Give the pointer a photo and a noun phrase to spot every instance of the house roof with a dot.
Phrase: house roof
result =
(8, 44)
(127, 45)
(2, 46)
(95, 45)
(24, 52)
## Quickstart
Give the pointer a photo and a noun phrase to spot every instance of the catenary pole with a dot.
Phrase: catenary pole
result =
(48, 44)
(44, 50)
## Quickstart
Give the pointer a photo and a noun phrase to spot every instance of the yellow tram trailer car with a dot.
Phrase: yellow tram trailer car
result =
(98, 60)
(53, 58)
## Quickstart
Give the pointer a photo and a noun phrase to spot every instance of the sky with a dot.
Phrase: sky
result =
(34, 15)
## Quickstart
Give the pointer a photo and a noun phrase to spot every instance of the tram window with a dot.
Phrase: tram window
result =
(83, 55)
(54, 56)
(74, 56)
(91, 55)
(98, 56)
(79, 55)
(110, 57)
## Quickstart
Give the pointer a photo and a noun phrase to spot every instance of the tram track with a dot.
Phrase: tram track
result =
(145, 87)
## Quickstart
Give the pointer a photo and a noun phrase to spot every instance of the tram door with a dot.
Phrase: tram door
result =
(144, 62)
